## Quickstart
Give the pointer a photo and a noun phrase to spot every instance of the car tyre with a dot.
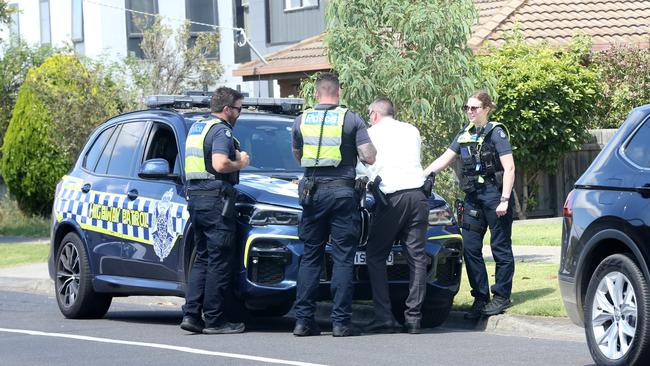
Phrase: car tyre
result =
(617, 312)
(73, 283)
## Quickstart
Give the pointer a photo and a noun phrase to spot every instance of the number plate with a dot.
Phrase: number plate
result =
(360, 258)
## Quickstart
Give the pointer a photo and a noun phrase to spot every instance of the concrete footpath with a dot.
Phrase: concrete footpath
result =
(34, 278)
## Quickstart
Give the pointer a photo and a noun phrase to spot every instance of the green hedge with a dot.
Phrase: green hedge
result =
(58, 106)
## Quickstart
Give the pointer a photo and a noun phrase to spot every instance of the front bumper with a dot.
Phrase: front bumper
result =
(270, 268)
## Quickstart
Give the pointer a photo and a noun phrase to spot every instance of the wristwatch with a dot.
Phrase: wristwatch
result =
(504, 199)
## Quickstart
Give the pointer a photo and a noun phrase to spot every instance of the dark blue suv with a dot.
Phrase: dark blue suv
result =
(121, 224)
(604, 273)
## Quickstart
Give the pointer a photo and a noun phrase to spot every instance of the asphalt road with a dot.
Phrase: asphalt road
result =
(33, 332)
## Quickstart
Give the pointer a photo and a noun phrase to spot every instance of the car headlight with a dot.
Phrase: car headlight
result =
(274, 215)
(441, 216)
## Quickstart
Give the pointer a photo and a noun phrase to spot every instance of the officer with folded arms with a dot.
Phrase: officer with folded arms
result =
(402, 216)
(212, 164)
(327, 141)
(488, 175)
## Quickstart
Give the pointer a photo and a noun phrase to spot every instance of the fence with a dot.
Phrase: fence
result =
(553, 188)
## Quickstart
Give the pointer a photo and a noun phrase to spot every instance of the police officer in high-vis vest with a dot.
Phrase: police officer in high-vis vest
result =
(488, 175)
(212, 164)
(327, 141)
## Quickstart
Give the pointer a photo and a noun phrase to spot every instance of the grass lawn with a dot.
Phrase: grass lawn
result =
(541, 234)
(14, 222)
(535, 290)
(16, 254)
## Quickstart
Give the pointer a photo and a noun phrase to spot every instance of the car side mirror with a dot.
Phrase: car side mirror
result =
(156, 168)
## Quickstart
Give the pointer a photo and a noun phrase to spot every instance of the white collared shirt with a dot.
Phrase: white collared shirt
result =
(398, 156)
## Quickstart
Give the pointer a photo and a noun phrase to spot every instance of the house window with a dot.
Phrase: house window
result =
(46, 35)
(14, 27)
(202, 11)
(300, 4)
(78, 25)
(133, 32)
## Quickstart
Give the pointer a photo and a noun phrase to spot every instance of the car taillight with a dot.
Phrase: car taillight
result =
(568, 207)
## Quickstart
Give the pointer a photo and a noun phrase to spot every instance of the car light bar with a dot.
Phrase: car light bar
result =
(199, 100)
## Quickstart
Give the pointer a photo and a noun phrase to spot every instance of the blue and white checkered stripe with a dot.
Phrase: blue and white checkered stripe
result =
(74, 204)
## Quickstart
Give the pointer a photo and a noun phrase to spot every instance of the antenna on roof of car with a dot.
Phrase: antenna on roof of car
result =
(200, 99)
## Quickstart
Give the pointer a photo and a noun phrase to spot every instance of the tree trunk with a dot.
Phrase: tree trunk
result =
(524, 195)
(520, 214)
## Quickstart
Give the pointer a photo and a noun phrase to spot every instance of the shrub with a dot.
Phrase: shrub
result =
(58, 106)
(546, 97)
(626, 72)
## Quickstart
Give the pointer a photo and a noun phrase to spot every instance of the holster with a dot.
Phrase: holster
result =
(380, 197)
(360, 186)
(460, 208)
(229, 196)
(306, 189)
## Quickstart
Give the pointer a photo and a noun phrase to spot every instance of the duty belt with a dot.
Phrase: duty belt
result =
(335, 183)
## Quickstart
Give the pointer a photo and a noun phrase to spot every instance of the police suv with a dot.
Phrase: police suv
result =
(121, 228)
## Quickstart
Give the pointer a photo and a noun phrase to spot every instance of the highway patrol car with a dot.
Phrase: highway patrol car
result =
(121, 228)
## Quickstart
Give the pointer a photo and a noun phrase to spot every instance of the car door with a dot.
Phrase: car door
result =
(637, 152)
(156, 252)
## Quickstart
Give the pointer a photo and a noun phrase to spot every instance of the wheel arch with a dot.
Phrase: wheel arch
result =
(63, 229)
(599, 247)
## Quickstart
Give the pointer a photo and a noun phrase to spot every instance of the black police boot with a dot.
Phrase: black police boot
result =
(475, 312)
(306, 328)
(192, 325)
(225, 328)
(413, 327)
(344, 330)
(380, 326)
(496, 306)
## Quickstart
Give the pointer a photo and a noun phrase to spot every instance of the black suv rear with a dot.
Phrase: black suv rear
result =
(604, 273)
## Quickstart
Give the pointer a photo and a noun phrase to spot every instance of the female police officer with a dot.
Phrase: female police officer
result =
(488, 174)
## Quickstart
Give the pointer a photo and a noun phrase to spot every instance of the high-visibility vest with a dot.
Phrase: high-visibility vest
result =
(194, 153)
(322, 132)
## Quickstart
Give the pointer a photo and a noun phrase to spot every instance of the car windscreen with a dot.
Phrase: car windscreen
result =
(268, 142)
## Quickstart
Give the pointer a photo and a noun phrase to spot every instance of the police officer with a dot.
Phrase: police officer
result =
(404, 216)
(327, 140)
(488, 175)
(212, 165)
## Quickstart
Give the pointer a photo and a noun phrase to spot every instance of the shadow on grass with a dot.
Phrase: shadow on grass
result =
(521, 297)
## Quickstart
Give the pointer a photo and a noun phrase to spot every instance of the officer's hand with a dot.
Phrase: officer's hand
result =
(244, 160)
(502, 209)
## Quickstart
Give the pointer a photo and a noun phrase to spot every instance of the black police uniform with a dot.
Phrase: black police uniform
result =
(333, 215)
(481, 201)
(210, 276)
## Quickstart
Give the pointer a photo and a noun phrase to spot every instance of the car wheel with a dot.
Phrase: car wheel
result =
(617, 311)
(74, 292)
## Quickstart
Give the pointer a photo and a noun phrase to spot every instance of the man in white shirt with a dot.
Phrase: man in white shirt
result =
(404, 218)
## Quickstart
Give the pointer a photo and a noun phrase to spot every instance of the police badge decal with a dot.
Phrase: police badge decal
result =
(162, 229)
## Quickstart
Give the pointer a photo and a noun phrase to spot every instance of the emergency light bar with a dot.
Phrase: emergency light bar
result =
(198, 100)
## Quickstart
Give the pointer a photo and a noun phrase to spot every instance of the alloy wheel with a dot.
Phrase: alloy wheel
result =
(67, 274)
(614, 315)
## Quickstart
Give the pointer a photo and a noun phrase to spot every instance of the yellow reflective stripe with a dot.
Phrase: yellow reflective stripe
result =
(255, 236)
(448, 236)
(119, 235)
(58, 216)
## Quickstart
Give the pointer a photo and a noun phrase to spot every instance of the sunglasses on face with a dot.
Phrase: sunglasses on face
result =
(233, 107)
(473, 108)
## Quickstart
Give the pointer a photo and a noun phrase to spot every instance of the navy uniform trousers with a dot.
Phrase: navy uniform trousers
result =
(333, 215)
(480, 213)
(405, 219)
(210, 276)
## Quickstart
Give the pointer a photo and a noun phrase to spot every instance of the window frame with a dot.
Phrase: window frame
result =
(91, 146)
(132, 171)
(148, 139)
(132, 33)
(80, 38)
(628, 140)
(194, 34)
(49, 21)
(302, 6)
